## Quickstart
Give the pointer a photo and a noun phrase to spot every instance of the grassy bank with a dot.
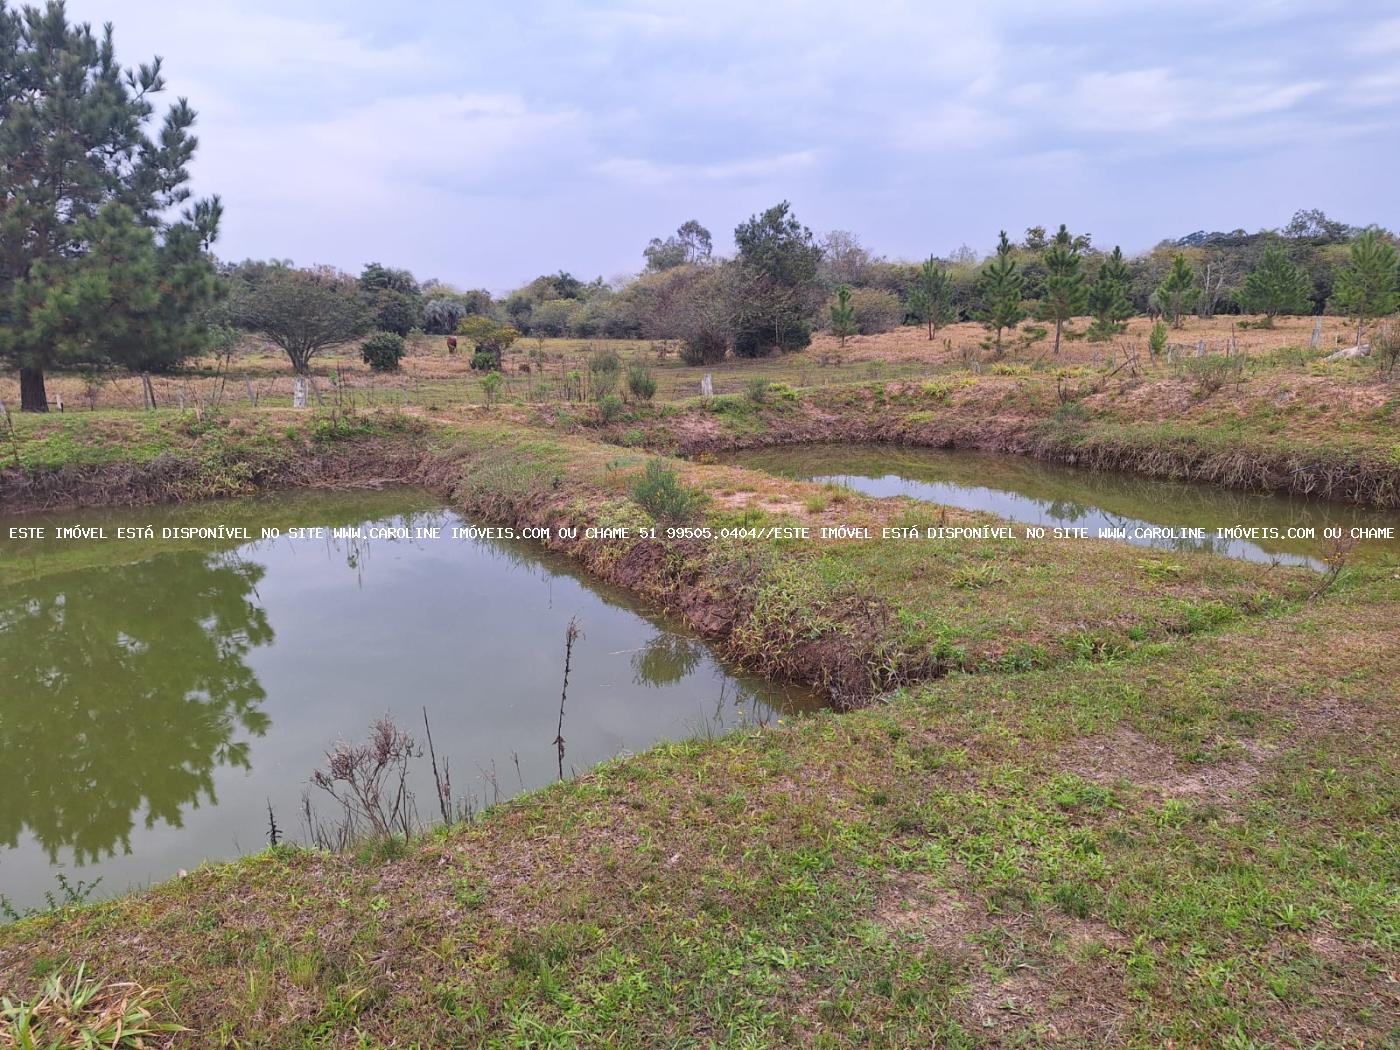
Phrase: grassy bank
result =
(1311, 435)
(1113, 797)
(1190, 845)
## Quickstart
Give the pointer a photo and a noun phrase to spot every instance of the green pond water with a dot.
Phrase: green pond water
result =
(1037, 493)
(157, 696)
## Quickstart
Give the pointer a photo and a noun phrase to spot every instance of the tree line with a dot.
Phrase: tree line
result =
(105, 261)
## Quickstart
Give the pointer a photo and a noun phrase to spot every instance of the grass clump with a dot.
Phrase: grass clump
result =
(81, 1013)
(660, 493)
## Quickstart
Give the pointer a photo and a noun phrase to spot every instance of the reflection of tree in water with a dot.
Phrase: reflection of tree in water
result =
(665, 660)
(1065, 509)
(123, 688)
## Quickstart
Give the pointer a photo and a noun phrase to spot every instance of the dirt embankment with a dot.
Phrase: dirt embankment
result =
(991, 417)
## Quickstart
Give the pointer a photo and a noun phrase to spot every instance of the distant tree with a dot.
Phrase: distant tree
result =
(393, 297)
(1035, 240)
(491, 340)
(1368, 285)
(931, 297)
(1314, 224)
(92, 269)
(1108, 297)
(441, 313)
(552, 317)
(691, 244)
(843, 315)
(303, 311)
(1177, 291)
(845, 260)
(1064, 295)
(777, 292)
(1000, 286)
(1276, 286)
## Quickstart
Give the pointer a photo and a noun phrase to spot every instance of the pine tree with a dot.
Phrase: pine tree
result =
(1368, 286)
(90, 271)
(931, 297)
(1276, 286)
(1064, 294)
(1177, 291)
(843, 314)
(1108, 297)
(1000, 286)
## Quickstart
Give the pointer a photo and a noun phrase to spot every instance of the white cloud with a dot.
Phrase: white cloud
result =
(648, 173)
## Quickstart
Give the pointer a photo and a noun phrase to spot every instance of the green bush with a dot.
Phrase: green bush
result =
(611, 408)
(641, 384)
(1157, 341)
(661, 494)
(757, 389)
(485, 361)
(382, 351)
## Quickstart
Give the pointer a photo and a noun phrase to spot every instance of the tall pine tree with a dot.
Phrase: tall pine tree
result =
(1064, 295)
(1368, 286)
(1000, 286)
(1276, 286)
(91, 270)
(1178, 291)
(1108, 297)
(931, 296)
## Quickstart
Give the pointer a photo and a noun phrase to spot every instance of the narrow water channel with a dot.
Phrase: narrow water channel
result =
(1036, 493)
(157, 696)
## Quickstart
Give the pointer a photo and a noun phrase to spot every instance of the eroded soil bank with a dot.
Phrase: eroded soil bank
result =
(1294, 434)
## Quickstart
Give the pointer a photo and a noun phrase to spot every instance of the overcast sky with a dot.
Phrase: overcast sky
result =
(484, 143)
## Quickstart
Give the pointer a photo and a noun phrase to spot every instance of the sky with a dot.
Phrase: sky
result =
(483, 143)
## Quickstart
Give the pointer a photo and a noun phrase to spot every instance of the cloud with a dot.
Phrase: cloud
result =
(640, 172)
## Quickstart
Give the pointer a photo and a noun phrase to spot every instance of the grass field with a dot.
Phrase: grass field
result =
(1090, 795)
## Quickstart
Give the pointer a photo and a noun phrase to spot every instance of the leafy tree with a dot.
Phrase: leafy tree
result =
(777, 292)
(1064, 295)
(393, 297)
(1276, 286)
(490, 338)
(303, 311)
(90, 267)
(843, 314)
(1367, 286)
(1108, 297)
(931, 297)
(382, 351)
(691, 245)
(1000, 288)
(1177, 291)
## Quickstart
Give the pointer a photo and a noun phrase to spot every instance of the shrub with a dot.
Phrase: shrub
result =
(604, 370)
(610, 408)
(382, 351)
(1157, 341)
(491, 386)
(875, 310)
(757, 389)
(641, 384)
(1213, 372)
(661, 494)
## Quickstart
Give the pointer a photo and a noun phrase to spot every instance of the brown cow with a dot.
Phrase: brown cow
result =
(451, 344)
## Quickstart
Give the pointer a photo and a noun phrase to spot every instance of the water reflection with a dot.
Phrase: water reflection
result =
(122, 692)
(1045, 494)
(161, 702)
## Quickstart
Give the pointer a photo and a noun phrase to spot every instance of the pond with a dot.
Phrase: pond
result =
(158, 696)
(1038, 493)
